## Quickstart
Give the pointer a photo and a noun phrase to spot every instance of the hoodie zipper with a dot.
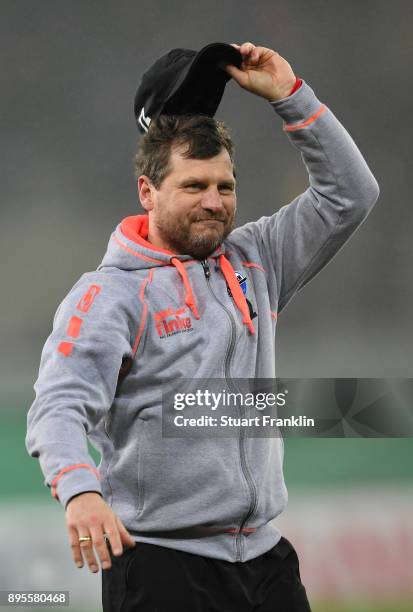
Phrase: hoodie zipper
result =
(241, 439)
(231, 346)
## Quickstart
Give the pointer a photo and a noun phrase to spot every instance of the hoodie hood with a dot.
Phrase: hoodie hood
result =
(129, 249)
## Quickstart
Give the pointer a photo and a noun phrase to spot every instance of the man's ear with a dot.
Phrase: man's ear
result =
(145, 192)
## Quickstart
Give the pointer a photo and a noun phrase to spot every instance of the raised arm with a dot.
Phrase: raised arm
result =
(303, 236)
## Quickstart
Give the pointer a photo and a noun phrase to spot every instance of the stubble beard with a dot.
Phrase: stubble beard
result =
(185, 238)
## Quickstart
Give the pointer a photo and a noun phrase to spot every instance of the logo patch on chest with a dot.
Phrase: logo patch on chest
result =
(242, 279)
(171, 321)
(242, 283)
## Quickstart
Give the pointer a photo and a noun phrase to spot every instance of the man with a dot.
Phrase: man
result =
(167, 302)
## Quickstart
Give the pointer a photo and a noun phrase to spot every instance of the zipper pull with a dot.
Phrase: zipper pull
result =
(207, 271)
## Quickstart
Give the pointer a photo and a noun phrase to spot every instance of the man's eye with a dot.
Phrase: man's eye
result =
(222, 188)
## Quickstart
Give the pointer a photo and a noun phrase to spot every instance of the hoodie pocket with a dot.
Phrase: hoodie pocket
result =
(187, 482)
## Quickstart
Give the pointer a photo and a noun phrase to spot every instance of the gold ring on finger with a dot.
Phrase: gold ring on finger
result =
(85, 539)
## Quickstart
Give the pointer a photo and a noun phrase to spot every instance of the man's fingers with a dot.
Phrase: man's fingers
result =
(247, 48)
(250, 56)
(112, 533)
(100, 546)
(85, 551)
(82, 551)
(88, 551)
(124, 533)
(89, 516)
(74, 545)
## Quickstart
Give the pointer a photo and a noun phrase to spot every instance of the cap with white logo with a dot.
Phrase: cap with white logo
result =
(184, 82)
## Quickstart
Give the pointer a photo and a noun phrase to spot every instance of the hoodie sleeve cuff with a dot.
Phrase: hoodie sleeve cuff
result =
(75, 480)
(298, 106)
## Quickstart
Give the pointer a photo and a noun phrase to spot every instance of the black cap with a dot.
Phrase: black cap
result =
(184, 82)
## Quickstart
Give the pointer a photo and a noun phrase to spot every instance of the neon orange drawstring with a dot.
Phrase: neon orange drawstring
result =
(237, 294)
(189, 296)
(233, 284)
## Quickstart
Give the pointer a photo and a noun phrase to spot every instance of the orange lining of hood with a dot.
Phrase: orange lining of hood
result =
(136, 229)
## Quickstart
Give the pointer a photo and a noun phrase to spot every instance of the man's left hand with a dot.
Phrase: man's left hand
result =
(263, 72)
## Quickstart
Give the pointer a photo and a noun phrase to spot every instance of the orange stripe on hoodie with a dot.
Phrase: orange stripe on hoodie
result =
(297, 126)
(147, 280)
(65, 348)
(73, 329)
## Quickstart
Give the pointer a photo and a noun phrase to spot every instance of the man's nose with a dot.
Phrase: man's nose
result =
(211, 200)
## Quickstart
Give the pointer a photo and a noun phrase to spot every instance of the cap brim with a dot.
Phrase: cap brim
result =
(201, 86)
(216, 53)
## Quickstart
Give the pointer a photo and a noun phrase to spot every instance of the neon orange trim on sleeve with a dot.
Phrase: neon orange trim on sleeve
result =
(68, 469)
(65, 348)
(297, 126)
(74, 326)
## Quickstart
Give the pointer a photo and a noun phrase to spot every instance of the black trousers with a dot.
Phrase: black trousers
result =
(150, 578)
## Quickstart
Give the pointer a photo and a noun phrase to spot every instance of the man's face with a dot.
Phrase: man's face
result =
(194, 207)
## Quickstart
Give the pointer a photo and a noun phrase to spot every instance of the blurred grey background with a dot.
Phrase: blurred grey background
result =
(69, 71)
(68, 77)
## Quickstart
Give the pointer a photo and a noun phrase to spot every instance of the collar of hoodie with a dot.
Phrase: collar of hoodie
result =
(136, 228)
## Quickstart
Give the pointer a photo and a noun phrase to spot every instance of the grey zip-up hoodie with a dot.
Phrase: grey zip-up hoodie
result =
(146, 314)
